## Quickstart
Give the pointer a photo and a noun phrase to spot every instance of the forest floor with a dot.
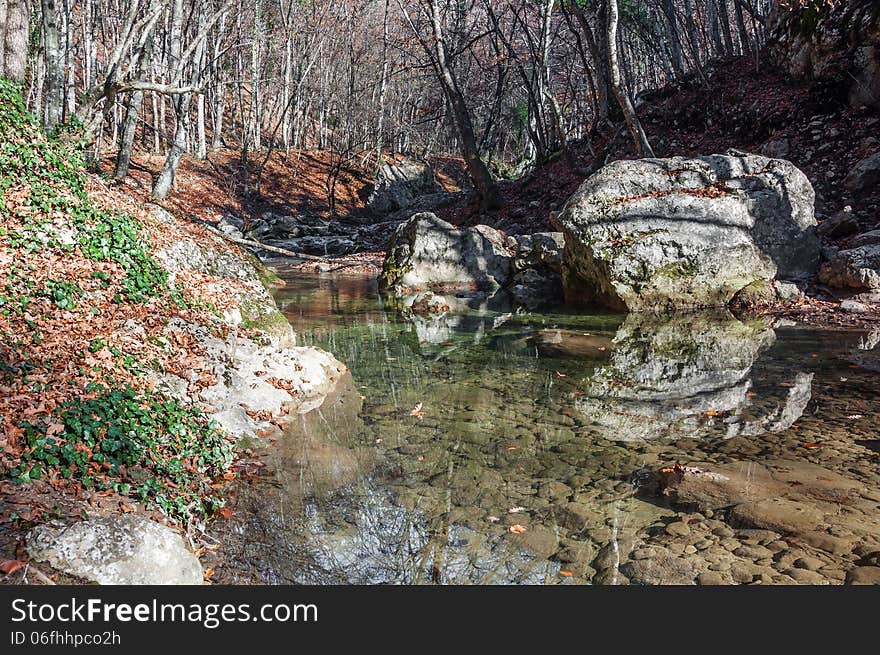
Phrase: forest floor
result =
(298, 181)
(742, 108)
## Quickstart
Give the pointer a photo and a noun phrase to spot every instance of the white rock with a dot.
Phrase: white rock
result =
(117, 549)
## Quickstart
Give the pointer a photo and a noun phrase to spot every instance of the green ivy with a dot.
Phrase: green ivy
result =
(64, 294)
(142, 445)
(55, 174)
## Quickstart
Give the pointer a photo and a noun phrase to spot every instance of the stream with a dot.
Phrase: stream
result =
(505, 448)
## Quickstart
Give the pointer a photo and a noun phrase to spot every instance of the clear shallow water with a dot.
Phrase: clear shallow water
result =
(451, 431)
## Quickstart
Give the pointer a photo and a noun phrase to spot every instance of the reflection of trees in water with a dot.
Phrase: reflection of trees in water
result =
(328, 296)
(361, 535)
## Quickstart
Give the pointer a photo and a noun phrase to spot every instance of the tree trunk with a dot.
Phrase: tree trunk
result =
(383, 87)
(182, 102)
(693, 37)
(217, 114)
(132, 108)
(643, 148)
(165, 180)
(201, 149)
(476, 168)
(724, 18)
(674, 39)
(15, 39)
(254, 127)
(714, 26)
(4, 12)
(741, 26)
(598, 48)
(54, 107)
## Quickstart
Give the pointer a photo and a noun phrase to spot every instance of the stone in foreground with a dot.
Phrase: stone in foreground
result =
(428, 254)
(662, 234)
(116, 550)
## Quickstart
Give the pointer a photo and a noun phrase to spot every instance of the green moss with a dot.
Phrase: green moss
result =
(262, 315)
(683, 268)
(392, 271)
(267, 276)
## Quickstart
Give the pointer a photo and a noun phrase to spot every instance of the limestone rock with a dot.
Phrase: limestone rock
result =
(865, 175)
(117, 549)
(427, 253)
(539, 250)
(397, 186)
(657, 234)
(856, 269)
(244, 371)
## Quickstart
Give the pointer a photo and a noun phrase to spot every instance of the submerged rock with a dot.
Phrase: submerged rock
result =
(795, 498)
(658, 234)
(569, 344)
(117, 549)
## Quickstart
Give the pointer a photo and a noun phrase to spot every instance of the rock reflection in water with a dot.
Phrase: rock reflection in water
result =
(687, 376)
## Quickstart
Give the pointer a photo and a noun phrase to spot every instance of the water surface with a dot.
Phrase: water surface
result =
(510, 448)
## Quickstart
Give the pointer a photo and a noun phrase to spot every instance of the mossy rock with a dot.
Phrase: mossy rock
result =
(753, 297)
(268, 278)
(259, 314)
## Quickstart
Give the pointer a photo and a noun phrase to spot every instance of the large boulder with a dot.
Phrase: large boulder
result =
(658, 234)
(115, 550)
(398, 186)
(865, 175)
(428, 254)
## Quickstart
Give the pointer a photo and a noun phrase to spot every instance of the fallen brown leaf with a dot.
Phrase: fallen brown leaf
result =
(8, 566)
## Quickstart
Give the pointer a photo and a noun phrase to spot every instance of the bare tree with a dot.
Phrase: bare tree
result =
(437, 50)
(620, 91)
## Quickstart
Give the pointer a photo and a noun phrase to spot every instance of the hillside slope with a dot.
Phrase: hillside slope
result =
(123, 333)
